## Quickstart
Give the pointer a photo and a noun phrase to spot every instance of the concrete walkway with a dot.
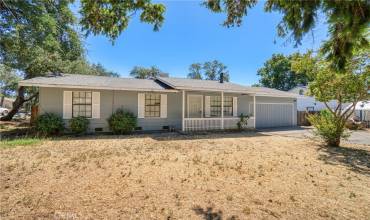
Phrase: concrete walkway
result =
(357, 137)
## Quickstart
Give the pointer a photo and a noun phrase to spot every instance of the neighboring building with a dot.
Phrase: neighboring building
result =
(164, 102)
(362, 110)
(309, 103)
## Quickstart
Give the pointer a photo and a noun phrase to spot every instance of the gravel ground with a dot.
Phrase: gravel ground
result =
(171, 176)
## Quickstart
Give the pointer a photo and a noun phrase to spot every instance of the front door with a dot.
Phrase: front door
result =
(195, 106)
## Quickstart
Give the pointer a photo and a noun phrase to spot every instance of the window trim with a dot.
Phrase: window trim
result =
(220, 106)
(91, 104)
(145, 105)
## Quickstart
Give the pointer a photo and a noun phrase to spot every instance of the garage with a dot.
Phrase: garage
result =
(270, 115)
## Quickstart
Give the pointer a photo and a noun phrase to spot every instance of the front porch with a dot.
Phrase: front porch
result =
(203, 110)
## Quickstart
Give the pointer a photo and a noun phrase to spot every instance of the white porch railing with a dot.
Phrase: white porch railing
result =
(202, 124)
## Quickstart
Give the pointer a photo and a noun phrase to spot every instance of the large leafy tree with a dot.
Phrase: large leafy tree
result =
(195, 71)
(214, 70)
(38, 37)
(348, 86)
(277, 73)
(146, 73)
(347, 22)
(111, 17)
(35, 37)
(210, 70)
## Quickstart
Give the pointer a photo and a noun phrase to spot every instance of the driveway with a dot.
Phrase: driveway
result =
(357, 137)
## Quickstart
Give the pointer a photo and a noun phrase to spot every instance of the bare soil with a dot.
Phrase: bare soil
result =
(172, 176)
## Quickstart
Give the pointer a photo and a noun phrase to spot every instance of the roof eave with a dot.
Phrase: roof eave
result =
(28, 84)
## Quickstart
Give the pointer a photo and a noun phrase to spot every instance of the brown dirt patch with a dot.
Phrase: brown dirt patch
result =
(218, 176)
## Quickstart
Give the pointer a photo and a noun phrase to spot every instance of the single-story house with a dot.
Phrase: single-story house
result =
(164, 102)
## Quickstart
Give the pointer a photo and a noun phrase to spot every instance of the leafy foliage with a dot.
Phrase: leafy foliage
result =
(122, 122)
(243, 122)
(348, 86)
(49, 124)
(195, 71)
(347, 21)
(328, 127)
(212, 70)
(277, 73)
(79, 124)
(39, 37)
(111, 17)
(146, 73)
(8, 81)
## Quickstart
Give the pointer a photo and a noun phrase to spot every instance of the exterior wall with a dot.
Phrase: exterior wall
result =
(51, 100)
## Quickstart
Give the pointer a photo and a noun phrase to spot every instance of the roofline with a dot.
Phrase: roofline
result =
(21, 83)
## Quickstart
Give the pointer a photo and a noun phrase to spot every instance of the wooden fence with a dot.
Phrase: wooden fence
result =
(302, 118)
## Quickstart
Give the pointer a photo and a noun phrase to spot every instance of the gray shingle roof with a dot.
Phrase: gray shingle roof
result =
(98, 82)
(160, 85)
(212, 85)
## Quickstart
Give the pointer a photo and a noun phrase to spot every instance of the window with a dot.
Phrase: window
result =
(152, 105)
(228, 106)
(216, 106)
(81, 104)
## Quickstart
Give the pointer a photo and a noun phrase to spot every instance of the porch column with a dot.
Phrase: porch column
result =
(254, 111)
(183, 110)
(222, 110)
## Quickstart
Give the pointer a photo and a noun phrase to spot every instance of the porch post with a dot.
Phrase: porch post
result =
(183, 110)
(222, 110)
(254, 111)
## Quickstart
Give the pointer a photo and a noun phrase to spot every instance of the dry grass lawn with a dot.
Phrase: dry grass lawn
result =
(216, 176)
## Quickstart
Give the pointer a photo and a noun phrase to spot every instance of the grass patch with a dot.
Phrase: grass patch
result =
(19, 142)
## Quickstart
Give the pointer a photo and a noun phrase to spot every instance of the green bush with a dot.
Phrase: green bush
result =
(122, 122)
(79, 124)
(243, 122)
(328, 127)
(49, 124)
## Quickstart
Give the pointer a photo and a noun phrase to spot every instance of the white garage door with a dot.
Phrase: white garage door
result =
(271, 115)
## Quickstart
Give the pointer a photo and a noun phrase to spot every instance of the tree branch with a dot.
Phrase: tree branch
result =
(31, 97)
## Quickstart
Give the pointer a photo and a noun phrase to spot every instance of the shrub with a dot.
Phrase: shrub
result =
(243, 122)
(329, 128)
(122, 122)
(79, 124)
(49, 124)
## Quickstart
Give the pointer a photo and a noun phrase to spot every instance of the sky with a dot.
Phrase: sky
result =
(191, 33)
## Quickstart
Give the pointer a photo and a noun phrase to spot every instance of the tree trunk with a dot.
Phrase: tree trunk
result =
(2, 101)
(334, 142)
(16, 105)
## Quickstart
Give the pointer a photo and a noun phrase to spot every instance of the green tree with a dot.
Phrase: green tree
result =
(348, 86)
(35, 37)
(195, 71)
(111, 17)
(8, 82)
(277, 73)
(347, 22)
(146, 73)
(213, 70)
(39, 37)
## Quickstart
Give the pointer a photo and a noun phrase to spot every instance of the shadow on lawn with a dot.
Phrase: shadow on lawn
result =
(164, 136)
(209, 214)
(357, 160)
